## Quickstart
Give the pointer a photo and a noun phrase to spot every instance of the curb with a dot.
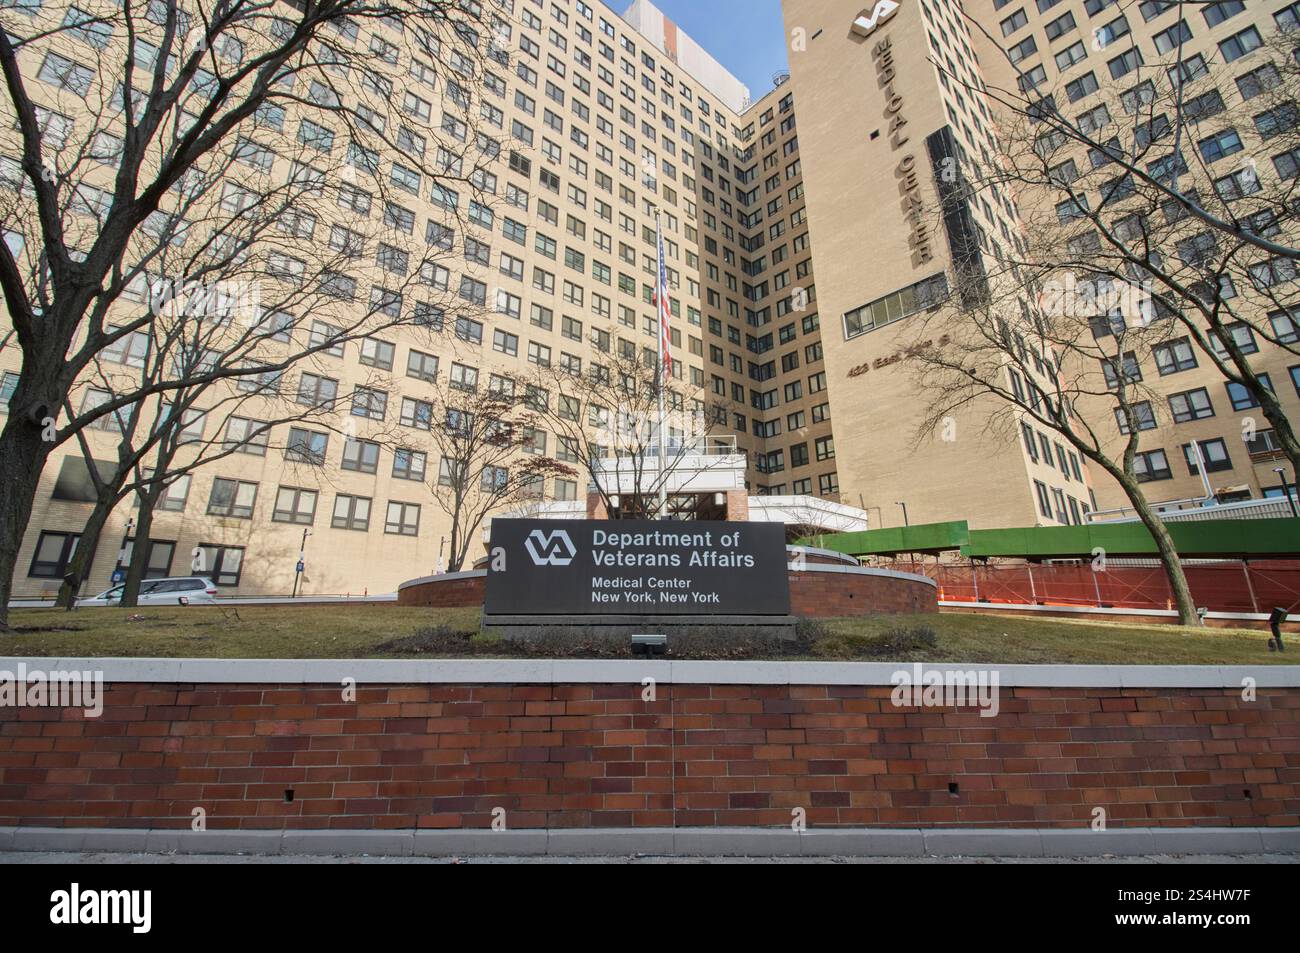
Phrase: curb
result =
(681, 841)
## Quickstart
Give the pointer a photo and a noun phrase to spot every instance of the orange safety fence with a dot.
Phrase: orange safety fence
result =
(1228, 586)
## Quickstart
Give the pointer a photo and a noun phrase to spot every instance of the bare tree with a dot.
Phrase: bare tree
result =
(1016, 366)
(242, 137)
(606, 417)
(1143, 229)
(488, 456)
(1140, 191)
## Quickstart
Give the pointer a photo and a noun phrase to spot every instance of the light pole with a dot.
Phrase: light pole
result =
(1286, 489)
(904, 506)
(302, 561)
(121, 553)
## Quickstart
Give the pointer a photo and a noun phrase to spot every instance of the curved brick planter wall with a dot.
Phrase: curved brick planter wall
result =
(573, 744)
(448, 591)
(821, 589)
(849, 590)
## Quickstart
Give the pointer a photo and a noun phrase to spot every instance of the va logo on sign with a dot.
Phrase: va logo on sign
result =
(550, 549)
(865, 25)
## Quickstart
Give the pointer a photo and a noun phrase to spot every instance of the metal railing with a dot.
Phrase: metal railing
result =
(1268, 508)
(709, 445)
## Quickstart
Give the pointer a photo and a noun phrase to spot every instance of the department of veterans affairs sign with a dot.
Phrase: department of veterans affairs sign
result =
(622, 567)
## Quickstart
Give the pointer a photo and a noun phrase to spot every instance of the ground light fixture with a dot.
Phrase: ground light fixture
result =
(647, 644)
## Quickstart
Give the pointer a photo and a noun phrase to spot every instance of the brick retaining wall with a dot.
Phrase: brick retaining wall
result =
(444, 755)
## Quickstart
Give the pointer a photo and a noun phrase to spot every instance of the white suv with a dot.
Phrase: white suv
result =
(162, 592)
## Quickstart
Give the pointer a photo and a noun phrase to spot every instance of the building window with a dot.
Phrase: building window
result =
(409, 464)
(416, 413)
(1241, 397)
(403, 519)
(1238, 45)
(896, 306)
(1142, 413)
(306, 446)
(221, 564)
(1174, 356)
(1214, 452)
(376, 353)
(370, 403)
(247, 436)
(1044, 500)
(159, 563)
(234, 498)
(294, 505)
(53, 553)
(351, 512)
(1151, 465)
(360, 455)
(1128, 369)
(1242, 335)
(422, 366)
(1191, 405)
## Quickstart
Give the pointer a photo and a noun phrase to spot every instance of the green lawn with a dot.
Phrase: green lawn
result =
(387, 631)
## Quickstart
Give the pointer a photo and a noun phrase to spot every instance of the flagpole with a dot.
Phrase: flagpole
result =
(659, 318)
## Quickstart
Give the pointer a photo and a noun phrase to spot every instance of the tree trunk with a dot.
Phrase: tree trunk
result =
(1187, 614)
(140, 550)
(455, 558)
(86, 546)
(22, 457)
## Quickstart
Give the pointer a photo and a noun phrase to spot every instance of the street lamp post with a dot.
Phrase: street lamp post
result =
(121, 553)
(1286, 489)
(904, 506)
(302, 562)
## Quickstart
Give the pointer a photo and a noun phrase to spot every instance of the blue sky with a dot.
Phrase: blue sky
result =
(745, 36)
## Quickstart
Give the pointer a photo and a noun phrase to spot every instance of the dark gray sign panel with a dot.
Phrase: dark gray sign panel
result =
(620, 567)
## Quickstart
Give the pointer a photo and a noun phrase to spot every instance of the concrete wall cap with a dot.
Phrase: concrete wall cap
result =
(633, 671)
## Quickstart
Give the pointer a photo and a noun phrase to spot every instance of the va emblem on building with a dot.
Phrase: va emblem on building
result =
(867, 23)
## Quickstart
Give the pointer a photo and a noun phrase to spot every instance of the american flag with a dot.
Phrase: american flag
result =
(665, 312)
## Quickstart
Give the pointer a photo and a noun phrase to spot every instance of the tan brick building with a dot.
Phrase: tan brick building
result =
(591, 129)
(882, 108)
(592, 122)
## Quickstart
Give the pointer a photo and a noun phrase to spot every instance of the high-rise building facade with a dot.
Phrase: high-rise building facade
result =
(577, 136)
(579, 132)
(1128, 61)
(892, 95)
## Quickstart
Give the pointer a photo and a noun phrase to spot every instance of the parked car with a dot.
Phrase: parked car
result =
(162, 592)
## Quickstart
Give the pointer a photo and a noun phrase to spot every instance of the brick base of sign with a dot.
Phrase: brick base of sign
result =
(822, 589)
(281, 757)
